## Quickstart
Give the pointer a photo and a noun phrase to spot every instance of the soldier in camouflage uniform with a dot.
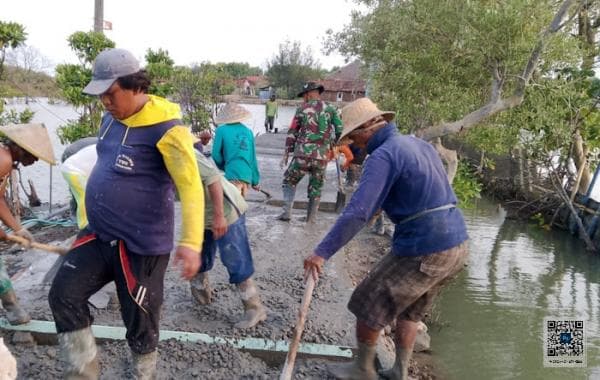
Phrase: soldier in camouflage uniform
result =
(315, 128)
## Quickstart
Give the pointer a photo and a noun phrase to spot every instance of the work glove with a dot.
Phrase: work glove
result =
(284, 161)
(24, 233)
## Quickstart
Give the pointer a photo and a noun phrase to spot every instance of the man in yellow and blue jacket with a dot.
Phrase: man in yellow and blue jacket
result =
(144, 153)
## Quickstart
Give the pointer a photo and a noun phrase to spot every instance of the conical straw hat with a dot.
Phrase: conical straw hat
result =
(33, 138)
(232, 113)
(359, 112)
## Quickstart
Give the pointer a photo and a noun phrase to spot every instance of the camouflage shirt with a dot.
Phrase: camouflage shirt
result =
(315, 128)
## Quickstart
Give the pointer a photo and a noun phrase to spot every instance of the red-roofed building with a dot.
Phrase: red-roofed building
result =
(344, 85)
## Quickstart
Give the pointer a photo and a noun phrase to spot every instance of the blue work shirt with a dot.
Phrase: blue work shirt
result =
(404, 176)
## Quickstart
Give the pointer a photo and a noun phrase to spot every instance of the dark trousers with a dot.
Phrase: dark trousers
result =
(90, 265)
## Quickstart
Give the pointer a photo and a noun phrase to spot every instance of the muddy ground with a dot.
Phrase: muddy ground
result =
(278, 250)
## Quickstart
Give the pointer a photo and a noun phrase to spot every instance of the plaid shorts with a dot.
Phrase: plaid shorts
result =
(404, 286)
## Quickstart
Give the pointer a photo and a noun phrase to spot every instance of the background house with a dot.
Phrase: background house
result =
(345, 84)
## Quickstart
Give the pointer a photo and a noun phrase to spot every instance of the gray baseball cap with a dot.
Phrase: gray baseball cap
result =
(110, 65)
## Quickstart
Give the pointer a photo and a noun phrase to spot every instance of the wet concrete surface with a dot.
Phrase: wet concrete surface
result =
(278, 250)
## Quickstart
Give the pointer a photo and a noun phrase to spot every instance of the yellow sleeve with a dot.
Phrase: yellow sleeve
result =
(176, 147)
(77, 183)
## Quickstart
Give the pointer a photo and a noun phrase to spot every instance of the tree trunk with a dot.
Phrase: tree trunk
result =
(449, 157)
(580, 159)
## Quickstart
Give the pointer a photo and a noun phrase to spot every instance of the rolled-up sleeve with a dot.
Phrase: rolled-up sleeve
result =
(176, 147)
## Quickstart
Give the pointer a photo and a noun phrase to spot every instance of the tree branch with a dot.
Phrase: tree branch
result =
(496, 103)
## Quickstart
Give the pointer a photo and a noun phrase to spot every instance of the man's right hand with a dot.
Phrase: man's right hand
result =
(219, 227)
(284, 161)
(3, 235)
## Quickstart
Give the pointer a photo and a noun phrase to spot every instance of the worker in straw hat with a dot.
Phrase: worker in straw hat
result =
(22, 144)
(233, 148)
(404, 176)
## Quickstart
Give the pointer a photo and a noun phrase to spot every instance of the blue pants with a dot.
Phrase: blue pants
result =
(234, 249)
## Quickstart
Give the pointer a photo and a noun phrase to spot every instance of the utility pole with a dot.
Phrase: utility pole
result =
(99, 16)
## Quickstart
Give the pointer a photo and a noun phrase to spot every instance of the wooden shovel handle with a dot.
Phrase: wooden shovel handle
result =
(35, 244)
(288, 367)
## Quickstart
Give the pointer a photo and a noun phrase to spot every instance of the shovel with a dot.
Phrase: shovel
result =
(266, 193)
(34, 244)
(288, 367)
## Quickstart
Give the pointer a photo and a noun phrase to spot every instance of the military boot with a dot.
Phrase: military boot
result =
(400, 369)
(79, 351)
(14, 313)
(362, 368)
(201, 290)
(254, 311)
(311, 210)
(144, 365)
(289, 193)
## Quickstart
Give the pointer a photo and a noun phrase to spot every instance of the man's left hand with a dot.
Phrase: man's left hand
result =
(24, 233)
(313, 266)
(188, 260)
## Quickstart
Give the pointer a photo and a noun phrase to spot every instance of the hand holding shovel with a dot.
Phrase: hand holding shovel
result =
(45, 247)
(312, 269)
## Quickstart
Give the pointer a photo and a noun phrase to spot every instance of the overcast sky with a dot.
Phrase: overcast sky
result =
(192, 31)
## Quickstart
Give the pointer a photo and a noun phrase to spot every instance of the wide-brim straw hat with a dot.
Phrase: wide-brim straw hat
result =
(359, 112)
(232, 113)
(33, 138)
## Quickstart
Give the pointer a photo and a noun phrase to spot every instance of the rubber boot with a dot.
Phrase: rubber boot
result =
(254, 311)
(289, 193)
(201, 290)
(311, 210)
(14, 313)
(144, 365)
(79, 350)
(400, 369)
(362, 368)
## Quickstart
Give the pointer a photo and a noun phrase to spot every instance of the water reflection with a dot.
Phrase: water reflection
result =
(491, 318)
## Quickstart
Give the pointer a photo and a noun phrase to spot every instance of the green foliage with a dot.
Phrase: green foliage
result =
(433, 61)
(159, 66)
(87, 45)
(76, 129)
(12, 35)
(539, 220)
(466, 185)
(239, 69)
(290, 67)
(198, 90)
(71, 79)
(498, 140)
(14, 117)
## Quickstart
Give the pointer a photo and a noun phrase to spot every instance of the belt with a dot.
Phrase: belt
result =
(425, 212)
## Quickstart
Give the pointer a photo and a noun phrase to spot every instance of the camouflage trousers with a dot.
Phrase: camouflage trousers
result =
(5, 283)
(299, 167)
